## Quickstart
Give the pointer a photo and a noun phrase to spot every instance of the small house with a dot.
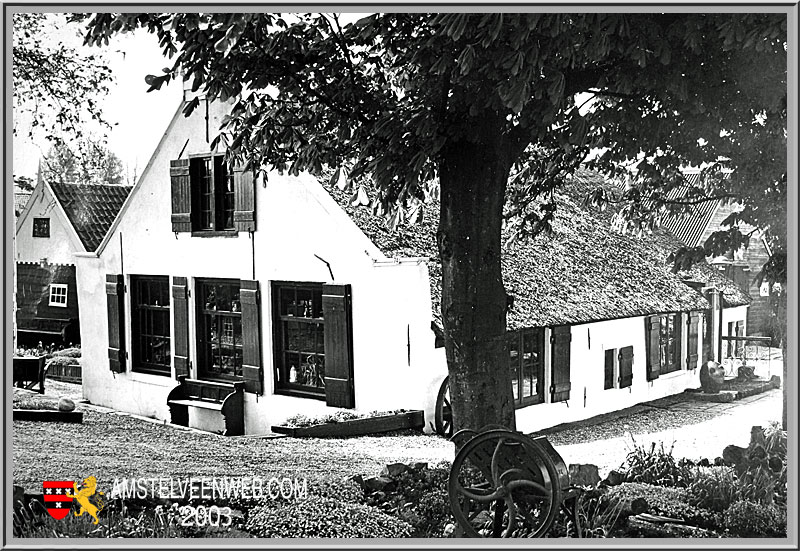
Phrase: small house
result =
(59, 220)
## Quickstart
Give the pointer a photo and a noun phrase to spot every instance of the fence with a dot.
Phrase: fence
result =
(753, 352)
(62, 372)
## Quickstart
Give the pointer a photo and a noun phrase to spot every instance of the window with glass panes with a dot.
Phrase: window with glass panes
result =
(214, 195)
(150, 332)
(526, 363)
(669, 343)
(219, 329)
(299, 337)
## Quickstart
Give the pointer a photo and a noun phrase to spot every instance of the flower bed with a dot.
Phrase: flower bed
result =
(350, 424)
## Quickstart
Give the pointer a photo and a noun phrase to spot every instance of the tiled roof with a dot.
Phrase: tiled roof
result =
(585, 271)
(91, 208)
(689, 228)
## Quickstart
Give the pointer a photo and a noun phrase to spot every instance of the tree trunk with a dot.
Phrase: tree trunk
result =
(473, 177)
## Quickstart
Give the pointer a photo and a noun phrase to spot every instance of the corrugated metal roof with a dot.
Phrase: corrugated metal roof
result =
(20, 200)
(689, 228)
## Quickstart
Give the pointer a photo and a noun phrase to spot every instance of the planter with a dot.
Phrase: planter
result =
(358, 427)
(29, 371)
(50, 415)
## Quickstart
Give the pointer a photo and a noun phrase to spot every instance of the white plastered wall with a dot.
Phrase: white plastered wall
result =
(297, 222)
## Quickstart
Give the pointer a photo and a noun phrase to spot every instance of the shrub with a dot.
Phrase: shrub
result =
(116, 521)
(656, 466)
(301, 420)
(342, 490)
(418, 497)
(668, 502)
(751, 519)
(63, 360)
(713, 488)
(68, 352)
(321, 517)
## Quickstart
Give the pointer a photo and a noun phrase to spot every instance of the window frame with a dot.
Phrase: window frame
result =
(35, 226)
(200, 320)
(670, 356)
(615, 374)
(517, 371)
(281, 372)
(137, 364)
(57, 295)
(221, 193)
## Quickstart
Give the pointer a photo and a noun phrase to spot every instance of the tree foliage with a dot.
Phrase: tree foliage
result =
(58, 87)
(90, 162)
(497, 110)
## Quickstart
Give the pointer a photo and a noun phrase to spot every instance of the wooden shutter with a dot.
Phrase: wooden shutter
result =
(337, 311)
(180, 307)
(652, 340)
(244, 215)
(691, 344)
(625, 359)
(559, 359)
(181, 195)
(251, 337)
(115, 299)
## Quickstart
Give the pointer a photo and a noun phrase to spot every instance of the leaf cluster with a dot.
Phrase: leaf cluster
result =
(60, 88)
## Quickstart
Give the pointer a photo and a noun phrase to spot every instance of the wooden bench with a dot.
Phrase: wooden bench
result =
(226, 398)
(505, 484)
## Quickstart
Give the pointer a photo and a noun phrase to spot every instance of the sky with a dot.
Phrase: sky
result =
(139, 118)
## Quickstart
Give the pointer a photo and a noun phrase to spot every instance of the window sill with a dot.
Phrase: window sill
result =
(223, 233)
(156, 372)
(673, 374)
(531, 401)
(300, 393)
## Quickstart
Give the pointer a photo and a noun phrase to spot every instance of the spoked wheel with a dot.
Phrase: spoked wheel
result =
(504, 484)
(443, 418)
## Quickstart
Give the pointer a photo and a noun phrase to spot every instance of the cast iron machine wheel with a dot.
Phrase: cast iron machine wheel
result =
(503, 483)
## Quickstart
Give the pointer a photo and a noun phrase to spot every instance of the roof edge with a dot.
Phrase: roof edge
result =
(117, 219)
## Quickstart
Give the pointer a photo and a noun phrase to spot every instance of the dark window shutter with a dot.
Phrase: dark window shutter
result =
(337, 311)
(694, 323)
(115, 298)
(625, 359)
(180, 306)
(560, 340)
(181, 195)
(251, 337)
(244, 215)
(652, 344)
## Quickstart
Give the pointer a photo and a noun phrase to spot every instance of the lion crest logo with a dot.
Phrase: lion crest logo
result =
(83, 496)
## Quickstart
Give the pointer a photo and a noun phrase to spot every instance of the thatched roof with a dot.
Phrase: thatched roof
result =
(584, 271)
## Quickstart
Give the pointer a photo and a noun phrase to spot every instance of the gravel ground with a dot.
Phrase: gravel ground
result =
(112, 445)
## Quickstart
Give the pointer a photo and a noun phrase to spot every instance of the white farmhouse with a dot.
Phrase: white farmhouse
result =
(229, 304)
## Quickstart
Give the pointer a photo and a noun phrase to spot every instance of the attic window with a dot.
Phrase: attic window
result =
(41, 227)
(58, 295)
(215, 196)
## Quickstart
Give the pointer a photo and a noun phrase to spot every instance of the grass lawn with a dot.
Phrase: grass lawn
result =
(110, 445)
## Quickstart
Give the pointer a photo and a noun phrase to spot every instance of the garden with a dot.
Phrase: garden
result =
(383, 486)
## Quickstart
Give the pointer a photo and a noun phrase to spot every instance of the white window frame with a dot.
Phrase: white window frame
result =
(55, 297)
